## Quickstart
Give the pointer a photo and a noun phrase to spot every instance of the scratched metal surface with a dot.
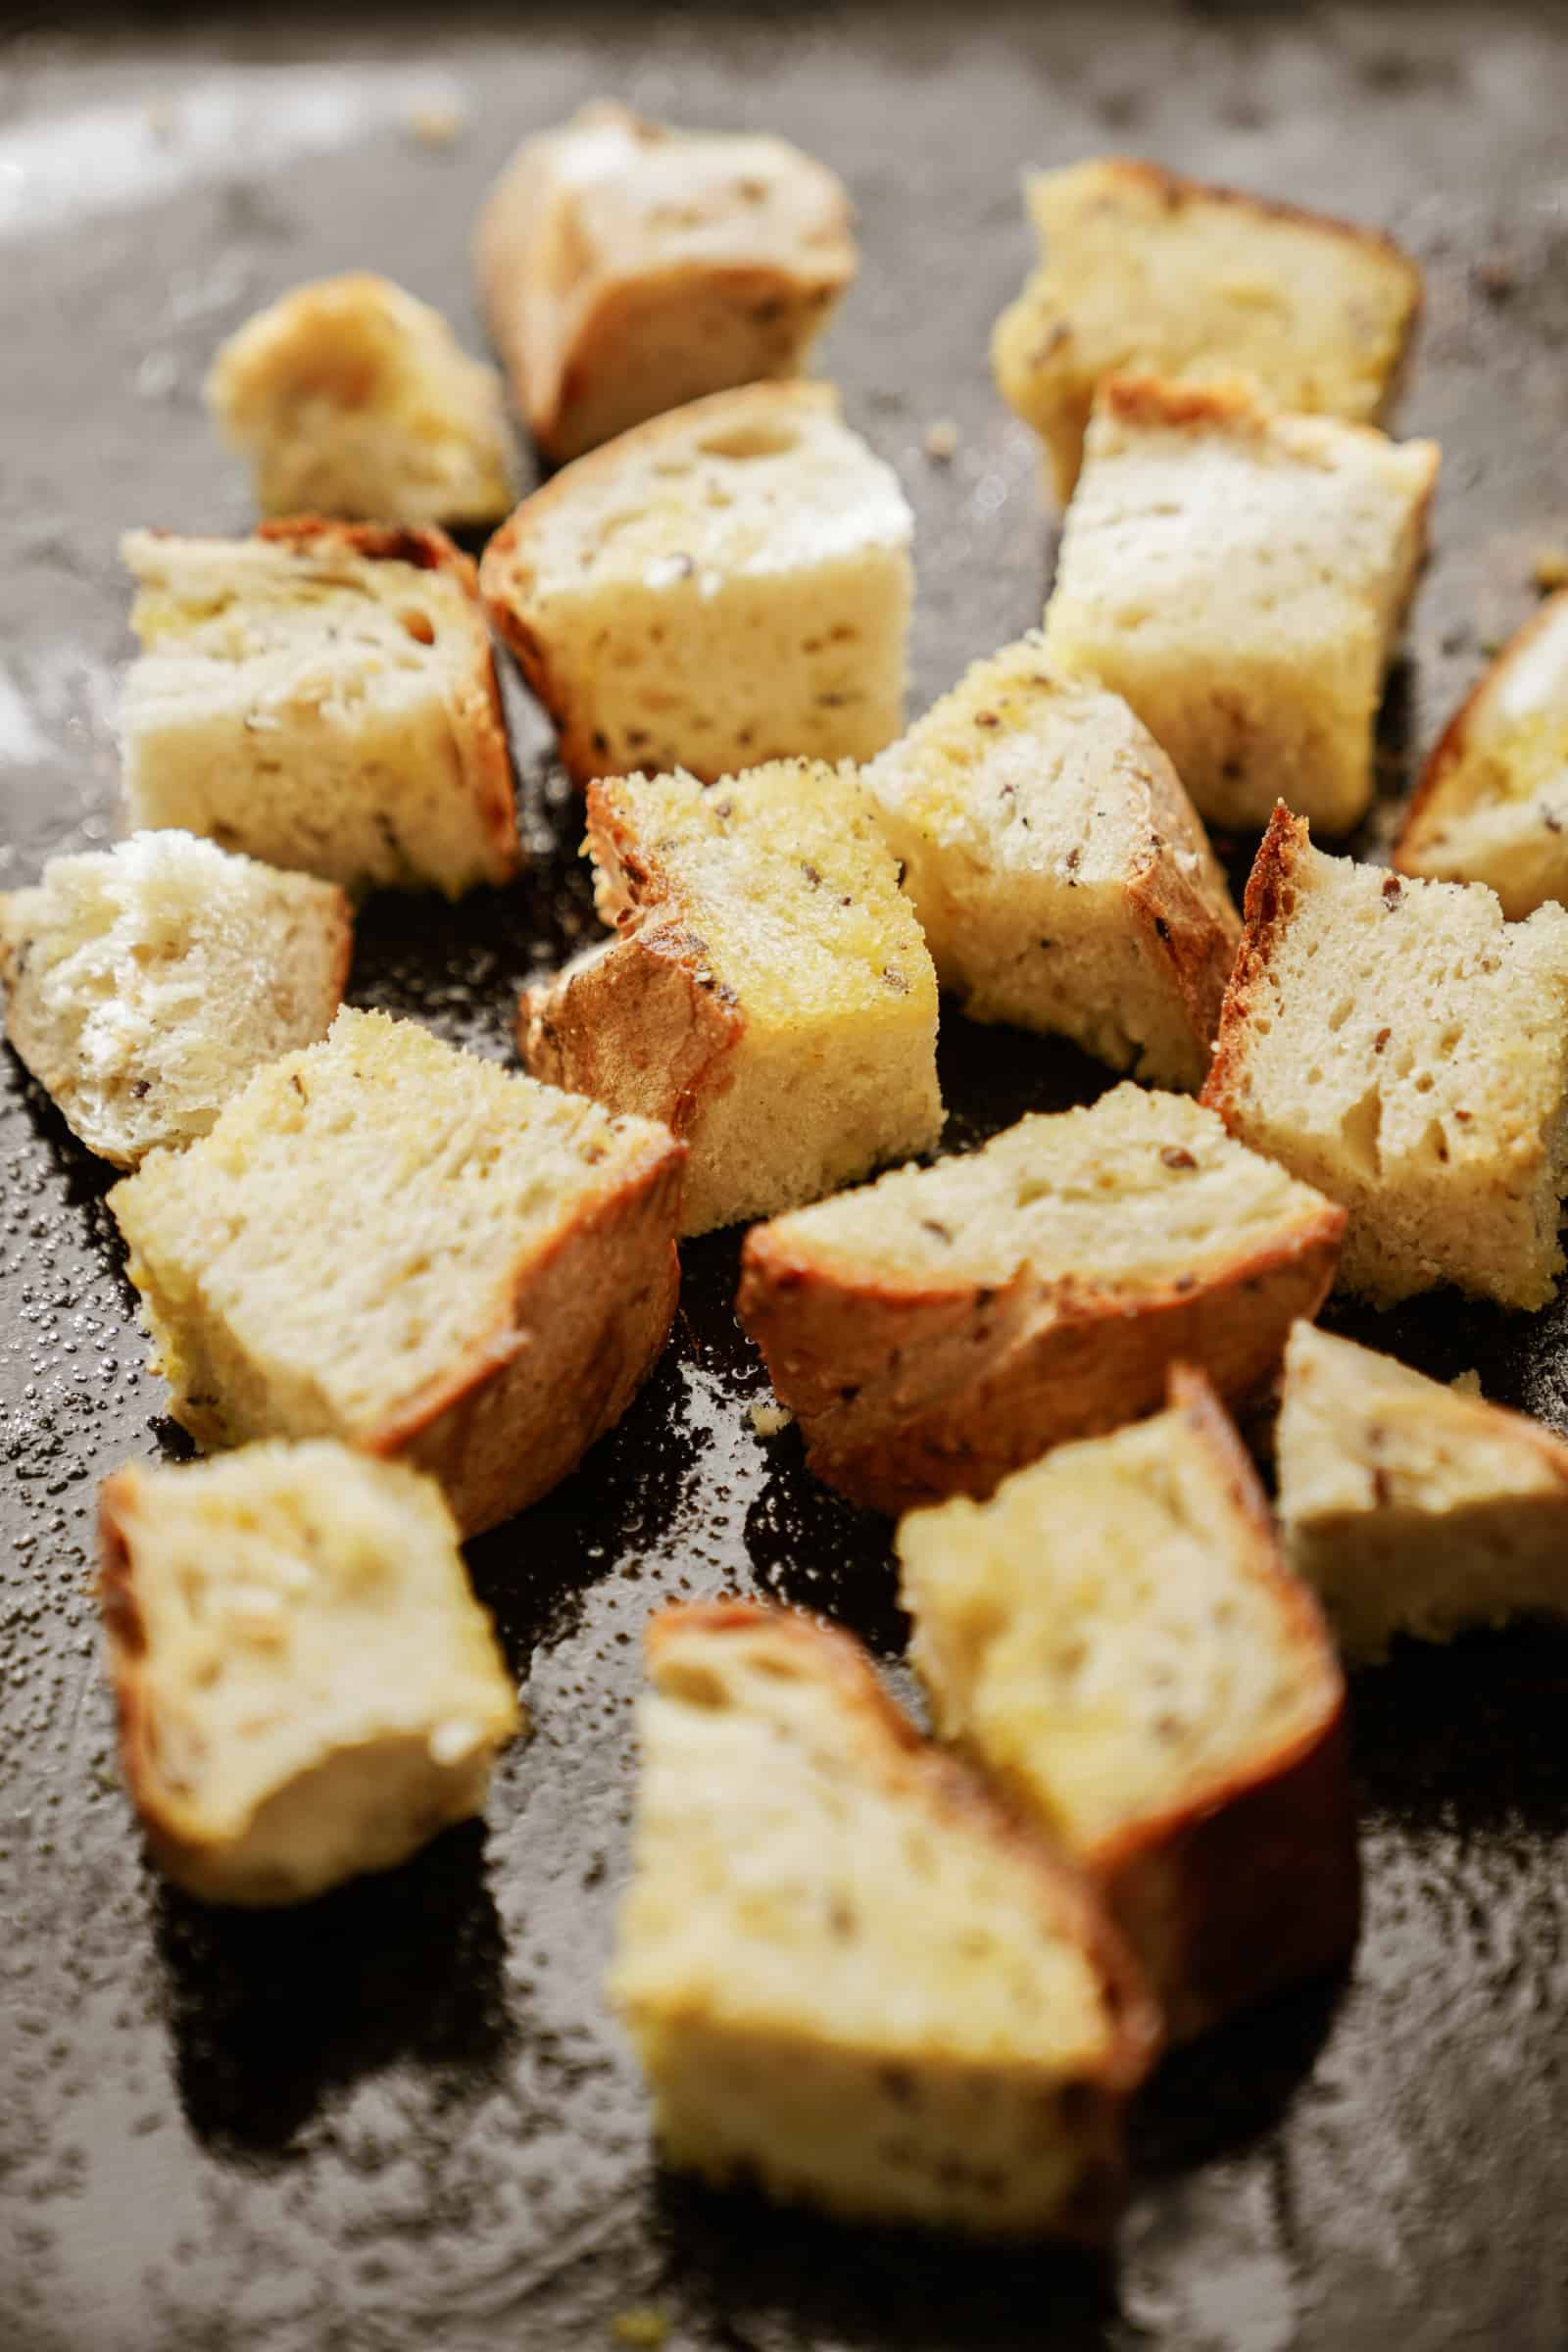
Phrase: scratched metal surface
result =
(400, 2119)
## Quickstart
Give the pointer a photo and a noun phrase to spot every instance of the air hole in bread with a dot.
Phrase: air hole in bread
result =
(756, 440)
(1361, 1129)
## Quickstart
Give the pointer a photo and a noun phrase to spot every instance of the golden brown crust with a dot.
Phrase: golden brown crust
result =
(1185, 923)
(1266, 908)
(1453, 744)
(1227, 402)
(635, 1028)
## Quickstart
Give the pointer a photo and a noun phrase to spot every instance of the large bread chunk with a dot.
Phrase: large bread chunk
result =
(321, 695)
(306, 1687)
(1410, 1507)
(1399, 1046)
(1240, 575)
(146, 983)
(394, 1243)
(627, 268)
(1115, 1637)
(1061, 874)
(946, 1325)
(769, 997)
(1145, 272)
(847, 1974)
(727, 586)
(1492, 803)
(351, 397)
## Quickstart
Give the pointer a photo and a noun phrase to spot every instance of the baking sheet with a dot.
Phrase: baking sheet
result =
(400, 2119)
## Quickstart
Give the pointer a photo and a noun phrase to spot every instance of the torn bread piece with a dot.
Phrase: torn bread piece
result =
(1239, 576)
(627, 268)
(941, 1327)
(389, 1241)
(1141, 271)
(349, 397)
(847, 1974)
(1492, 803)
(1399, 1046)
(306, 1687)
(727, 586)
(146, 983)
(769, 997)
(1061, 874)
(321, 695)
(1411, 1508)
(1114, 1638)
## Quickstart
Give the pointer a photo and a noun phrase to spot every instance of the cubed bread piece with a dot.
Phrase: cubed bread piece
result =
(1240, 575)
(349, 397)
(1412, 1507)
(385, 1240)
(1059, 872)
(1143, 271)
(769, 997)
(1115, 1637)
(848, 1976)
(1492, 803)
(323, 696)
(147, 982)
(627, 268)
(945, 1325)
(306, 1687)
(1399, 1046)
(727, 586)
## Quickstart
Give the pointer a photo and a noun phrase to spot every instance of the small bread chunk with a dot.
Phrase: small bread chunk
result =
(307, 1687)
(627, 268)
(848, 1976)
(147, 982)
(1115, 1637)
(351, 397)
(1410, 1507)
(727, 586)
(1402, 1048)
(323, 696)
(1061, 874)
(385, 1240)
(770, 998)
(1143, 271)
(1492, 804)
(1240, 575)
(945, 1325)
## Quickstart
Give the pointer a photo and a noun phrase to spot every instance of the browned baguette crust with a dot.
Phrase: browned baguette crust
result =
(911, 1768)
(181, 1858)
(1269, 897)
(1453, 744)
(1185, 926)
(908, 1393)
(1176, 189)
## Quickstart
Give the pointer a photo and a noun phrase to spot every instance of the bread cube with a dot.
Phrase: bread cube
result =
(391, 1242)
(769, 997)
(1239, 576)
(943, 1326)
(1145, 272)
(1399, 1046)
(1412, 1508)
(1492, 803)
(147, 982)
(627, 268)
(307, 1687)
(727, 586)
(349, 397)
(848, 1977)
(321, 695)
(1061, 874)
(1115, 1638)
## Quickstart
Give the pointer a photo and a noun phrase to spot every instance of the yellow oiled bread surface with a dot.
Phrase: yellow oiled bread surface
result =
(1398, 1044)
(627, 268)
(350, 397)
(1238, 574)
(1143, 269)
(1061, 874)
(846, 1972)
(306, 1687)
(1412, 1508)
(147, 982)
(770, 996)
